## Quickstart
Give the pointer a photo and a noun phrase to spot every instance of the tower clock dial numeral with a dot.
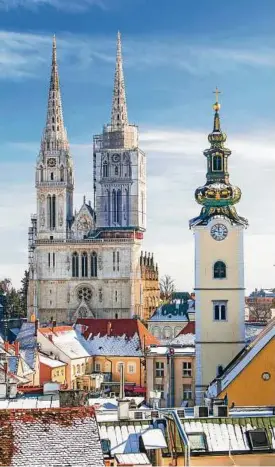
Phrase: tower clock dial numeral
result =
(219, 232)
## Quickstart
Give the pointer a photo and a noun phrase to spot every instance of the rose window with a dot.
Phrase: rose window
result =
(84, 293)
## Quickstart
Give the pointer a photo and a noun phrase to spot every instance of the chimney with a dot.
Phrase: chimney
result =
(50, 336)
(16, 348)
(54, 324)
(109, 328)
(122, 381)
(6, 371)
(6, 346)
(35, 327)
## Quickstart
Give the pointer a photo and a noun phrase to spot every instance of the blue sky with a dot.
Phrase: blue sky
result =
(175, 53)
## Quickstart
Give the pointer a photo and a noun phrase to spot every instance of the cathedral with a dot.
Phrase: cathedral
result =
(90, 263)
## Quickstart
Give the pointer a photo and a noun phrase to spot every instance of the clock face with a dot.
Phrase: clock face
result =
(116, 158)
(51, 162)
(219, 232)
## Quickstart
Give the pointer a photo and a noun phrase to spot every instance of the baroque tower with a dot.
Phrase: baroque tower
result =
(219, 265)
(119, 166)
(54, 168)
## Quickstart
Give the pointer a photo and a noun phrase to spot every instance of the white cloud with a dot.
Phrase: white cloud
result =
(21, 54)
(67, 5)
(176, 166)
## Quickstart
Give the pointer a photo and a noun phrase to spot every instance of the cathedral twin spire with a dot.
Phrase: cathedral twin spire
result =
(55, 135)
(119, 107)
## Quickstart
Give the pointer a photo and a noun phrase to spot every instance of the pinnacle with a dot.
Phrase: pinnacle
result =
(119, 107)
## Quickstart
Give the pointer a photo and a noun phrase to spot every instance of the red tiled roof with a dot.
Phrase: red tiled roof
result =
(117, 327)
(188, 329)
(50, 437)
(55, 329)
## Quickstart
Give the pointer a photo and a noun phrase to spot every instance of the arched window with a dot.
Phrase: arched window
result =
(75, 265)
(116, 170)
(62, 173)
(217, 163)
(78, 368)
(219, 270)
(127, 206)
(93, 264)
(83, 368)
(84, 264)
(105, 169)
(109, 206)
(51, 175)
(41, 174)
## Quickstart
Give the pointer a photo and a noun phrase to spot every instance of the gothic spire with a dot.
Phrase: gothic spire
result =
(119, 107)
(54, 136)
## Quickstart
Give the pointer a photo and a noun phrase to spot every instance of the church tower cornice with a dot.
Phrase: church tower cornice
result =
(218, 196)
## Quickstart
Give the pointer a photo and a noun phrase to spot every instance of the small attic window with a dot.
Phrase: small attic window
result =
(105, 446)
(258, 440)
(198, 442)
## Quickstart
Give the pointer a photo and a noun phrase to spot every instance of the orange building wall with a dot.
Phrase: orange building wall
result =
(45, 373)
(137, 377)
(249, 388)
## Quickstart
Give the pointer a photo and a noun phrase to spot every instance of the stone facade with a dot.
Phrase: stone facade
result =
(87, 264)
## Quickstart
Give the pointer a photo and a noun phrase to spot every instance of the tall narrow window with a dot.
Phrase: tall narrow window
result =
(75, 265)
(127, 206)
(53, 211)
(51, 175)
(49, 211)
(116, 170)
(142, 207)
(114, 199)
(119, 207)
(84, 264)
(220, 311)
(54, 260)
(105, 169)
(117, 260)
(41, 174)
(114, 260)
(116, 295)
(109, 207)
(219, 270)
(49, 260)
(93, 264)
(217, 163)
(62, 174)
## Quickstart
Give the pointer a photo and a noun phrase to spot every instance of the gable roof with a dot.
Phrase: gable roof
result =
(188, 329)
(64, 436)
(239, 363)
(121, 337)
(66, 339)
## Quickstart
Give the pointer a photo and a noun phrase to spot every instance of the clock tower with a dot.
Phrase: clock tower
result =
(219, 265)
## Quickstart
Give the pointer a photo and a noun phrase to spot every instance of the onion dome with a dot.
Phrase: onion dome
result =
(217, 196)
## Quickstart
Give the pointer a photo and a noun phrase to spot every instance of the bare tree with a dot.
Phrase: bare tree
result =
(259, 311)
(167, 287)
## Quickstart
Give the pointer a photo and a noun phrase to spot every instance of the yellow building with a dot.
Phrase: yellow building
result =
(219, 266)
(170, 372)
(250, 378)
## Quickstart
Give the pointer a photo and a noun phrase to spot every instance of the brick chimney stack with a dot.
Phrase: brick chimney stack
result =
(109, 328)
(16, 348)
(36, 327)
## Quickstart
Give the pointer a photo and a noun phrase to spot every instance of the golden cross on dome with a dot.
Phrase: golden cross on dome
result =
(217, 92)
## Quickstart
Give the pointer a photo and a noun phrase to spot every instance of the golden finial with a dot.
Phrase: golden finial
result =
(217, 106)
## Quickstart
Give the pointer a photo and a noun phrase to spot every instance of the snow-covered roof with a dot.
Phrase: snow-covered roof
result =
(28, 343)
(109, 403)
(132, 459)
(184, 339)
(115, 345)
(54, 437)
(50, 362)
(34, 402)
(163, 350)
(124, 438)
(224, 434)
(154, 439)
(70, 342)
